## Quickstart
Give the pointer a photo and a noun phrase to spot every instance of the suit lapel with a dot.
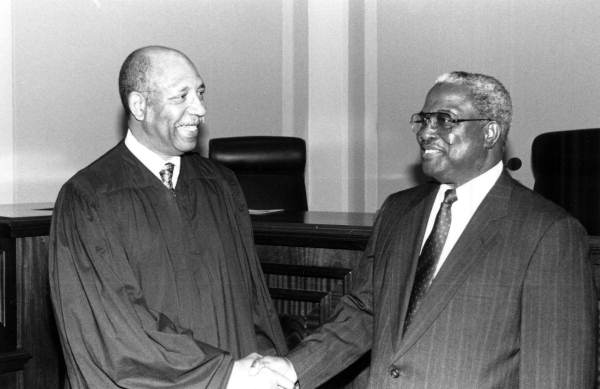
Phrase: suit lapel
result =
(478, 236)
(405, 248)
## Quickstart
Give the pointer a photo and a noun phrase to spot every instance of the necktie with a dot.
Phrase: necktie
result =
(166, 175)
(430, 254)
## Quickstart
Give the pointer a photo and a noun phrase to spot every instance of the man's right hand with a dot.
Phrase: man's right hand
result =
(250, 373)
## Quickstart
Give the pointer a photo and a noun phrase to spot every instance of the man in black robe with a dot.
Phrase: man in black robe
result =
(154, 278)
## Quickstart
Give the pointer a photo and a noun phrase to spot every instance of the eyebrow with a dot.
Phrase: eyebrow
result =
(202, 87)
(186, 89)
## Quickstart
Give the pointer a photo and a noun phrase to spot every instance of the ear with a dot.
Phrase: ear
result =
(137, 105)
(492, 134)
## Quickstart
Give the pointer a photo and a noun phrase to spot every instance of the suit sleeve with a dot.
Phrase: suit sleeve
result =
(559, 312)
(348, 333)
(109, 335)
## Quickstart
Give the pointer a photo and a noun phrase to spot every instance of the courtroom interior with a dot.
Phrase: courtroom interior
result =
(308, 103)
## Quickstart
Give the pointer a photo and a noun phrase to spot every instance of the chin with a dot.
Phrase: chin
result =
(436, 174)
(429, 168)
(187, 147)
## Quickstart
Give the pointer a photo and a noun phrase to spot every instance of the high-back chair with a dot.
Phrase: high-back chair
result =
(270, 169)
(566, 168)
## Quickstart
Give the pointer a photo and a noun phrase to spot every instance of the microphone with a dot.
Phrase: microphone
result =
(514, 164)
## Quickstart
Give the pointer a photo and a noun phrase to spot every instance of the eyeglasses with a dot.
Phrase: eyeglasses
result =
(441, 121)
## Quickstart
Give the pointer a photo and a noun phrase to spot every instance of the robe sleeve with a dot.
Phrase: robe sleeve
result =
(109, 336)
(268, 330)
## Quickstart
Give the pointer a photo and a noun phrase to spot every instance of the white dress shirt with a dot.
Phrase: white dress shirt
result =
(154, 162)
(469, 195)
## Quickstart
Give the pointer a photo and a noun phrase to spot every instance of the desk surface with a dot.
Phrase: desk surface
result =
(349, 230)
(26, 219)
(25, 210)
(340, 230)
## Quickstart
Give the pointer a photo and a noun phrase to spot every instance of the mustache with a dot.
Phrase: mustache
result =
(193, 122)
(427, 142)
(449, 140)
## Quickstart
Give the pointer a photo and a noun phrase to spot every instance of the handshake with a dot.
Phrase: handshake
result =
(258, 372)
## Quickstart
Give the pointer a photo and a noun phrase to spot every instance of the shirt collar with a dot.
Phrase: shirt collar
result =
(476, 189)
(154, 162)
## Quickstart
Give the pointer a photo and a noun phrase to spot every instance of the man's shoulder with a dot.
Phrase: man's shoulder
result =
(199, 163)
(415, 193)
(529, 211)
(399, 203)
(101, 171)
(523, 198)
(202, 167)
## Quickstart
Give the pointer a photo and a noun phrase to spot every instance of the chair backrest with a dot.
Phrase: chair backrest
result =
(566, 168)
(270, 169)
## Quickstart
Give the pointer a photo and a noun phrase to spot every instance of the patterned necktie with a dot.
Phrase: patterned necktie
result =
(166, 175)
(430, 255)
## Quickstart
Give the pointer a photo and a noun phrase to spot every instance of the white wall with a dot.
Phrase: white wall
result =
(361, 147)
(328, 105)
(341, 107)
(67, 56)
(547, 53)
(6, 105)
(354, 70)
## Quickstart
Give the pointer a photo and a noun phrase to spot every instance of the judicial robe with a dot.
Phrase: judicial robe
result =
(154, 288)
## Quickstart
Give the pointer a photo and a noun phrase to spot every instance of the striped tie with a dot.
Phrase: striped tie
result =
(166, 175)
(430, 255)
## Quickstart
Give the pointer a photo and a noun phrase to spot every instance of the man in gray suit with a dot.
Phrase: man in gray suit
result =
(495, 293)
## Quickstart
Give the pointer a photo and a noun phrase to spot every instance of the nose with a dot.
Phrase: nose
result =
(197, 106)
(429, 130)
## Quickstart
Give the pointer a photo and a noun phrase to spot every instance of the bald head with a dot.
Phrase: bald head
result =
(139, 68)
(163, 95)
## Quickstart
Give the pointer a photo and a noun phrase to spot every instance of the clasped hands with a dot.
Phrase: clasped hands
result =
(258, 372)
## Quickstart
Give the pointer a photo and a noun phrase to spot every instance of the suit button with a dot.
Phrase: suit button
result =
(394, 372)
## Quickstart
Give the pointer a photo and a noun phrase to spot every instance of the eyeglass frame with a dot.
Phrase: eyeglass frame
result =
(438, 127)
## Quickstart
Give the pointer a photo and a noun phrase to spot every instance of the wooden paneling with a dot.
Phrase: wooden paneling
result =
(8, 300)
(328, 272)
(309, 256)
(325, 270)
(595, 258)
(37, 332)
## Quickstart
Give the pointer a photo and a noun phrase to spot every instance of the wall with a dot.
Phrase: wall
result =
(361, 146)
(67, 56)
(345, 76)
(545, 52)
(6, 104)
(342, 82)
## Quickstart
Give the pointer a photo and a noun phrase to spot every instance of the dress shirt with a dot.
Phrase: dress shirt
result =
(469, 196)
(154, 162)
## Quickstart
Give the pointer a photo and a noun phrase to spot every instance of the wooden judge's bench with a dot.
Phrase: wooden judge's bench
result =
(308, 258)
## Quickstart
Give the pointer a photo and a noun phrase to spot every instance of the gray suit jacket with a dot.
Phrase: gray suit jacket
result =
(513, 306)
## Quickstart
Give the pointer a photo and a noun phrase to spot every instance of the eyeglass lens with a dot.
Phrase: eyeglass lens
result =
(436, 120)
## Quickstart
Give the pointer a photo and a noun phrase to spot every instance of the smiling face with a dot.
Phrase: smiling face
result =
(173, 108)
(468, 150)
